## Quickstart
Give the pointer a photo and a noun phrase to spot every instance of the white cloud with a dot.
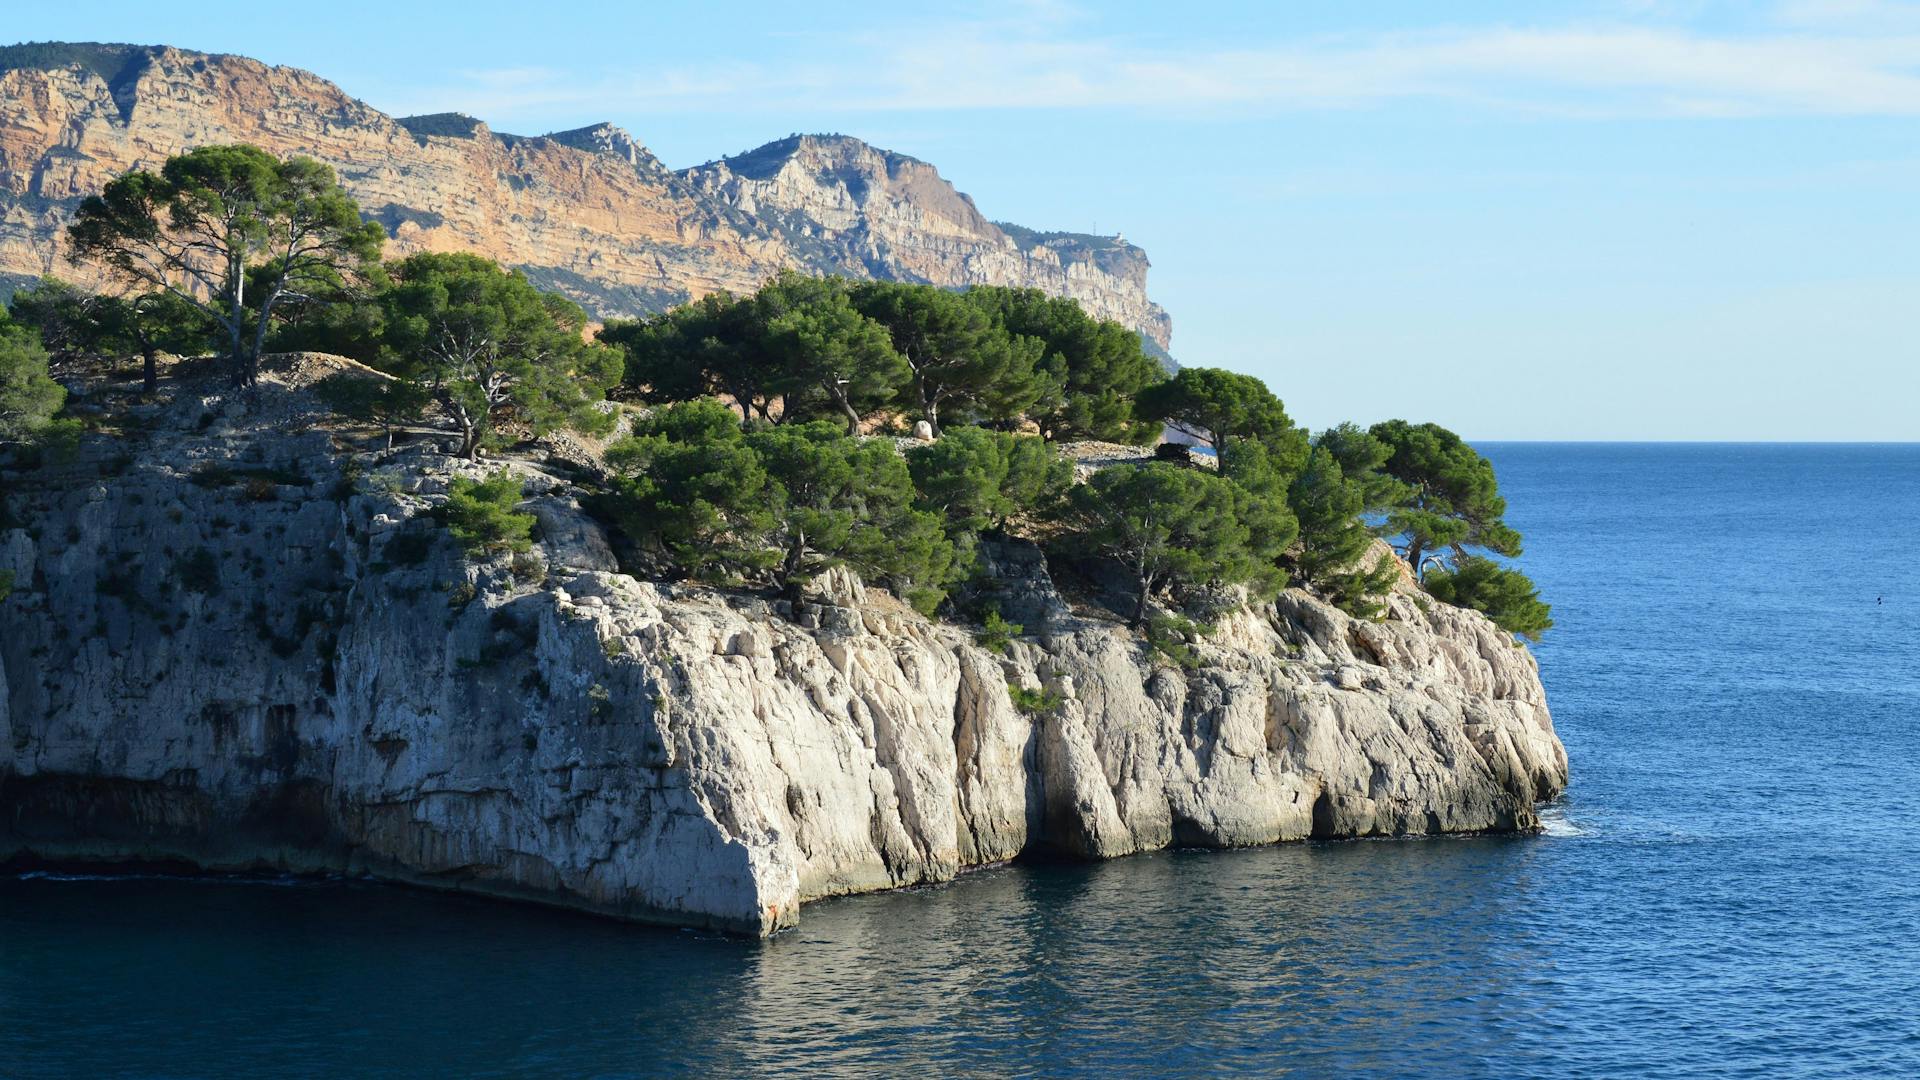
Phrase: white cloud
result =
(1816, 57)
(1850, 15)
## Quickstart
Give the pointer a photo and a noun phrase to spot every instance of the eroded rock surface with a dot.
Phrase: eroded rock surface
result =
(233, 644)
(589, 212)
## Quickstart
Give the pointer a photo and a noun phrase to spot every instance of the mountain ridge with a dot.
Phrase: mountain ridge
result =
(589, 211)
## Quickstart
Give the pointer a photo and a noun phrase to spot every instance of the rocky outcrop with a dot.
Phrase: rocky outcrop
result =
(589, 212)
(236, 642)
(859, 210)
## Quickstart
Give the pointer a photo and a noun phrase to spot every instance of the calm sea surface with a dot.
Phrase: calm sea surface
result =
(1732, 888)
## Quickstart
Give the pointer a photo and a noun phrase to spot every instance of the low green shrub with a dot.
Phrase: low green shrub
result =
(996, 632)
(1034, 702)
(480, 514)
(1171, 637)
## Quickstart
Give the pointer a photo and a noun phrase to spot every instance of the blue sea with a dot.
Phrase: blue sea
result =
(1730, 889)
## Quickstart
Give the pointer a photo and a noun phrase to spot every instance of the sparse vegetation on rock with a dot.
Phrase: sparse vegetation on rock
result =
(480, 514)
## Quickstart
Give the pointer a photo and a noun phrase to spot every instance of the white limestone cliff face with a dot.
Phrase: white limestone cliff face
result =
(281, 666)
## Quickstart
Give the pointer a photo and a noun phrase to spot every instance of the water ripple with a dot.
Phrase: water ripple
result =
(1727, 891)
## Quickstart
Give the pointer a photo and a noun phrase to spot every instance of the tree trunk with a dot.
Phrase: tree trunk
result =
(469, 435)
(790, 568)
(260, 337)
(149, 369)
(236, 355)
(236, 332)
(1414, 556)
(846, 409)
(1140, 604)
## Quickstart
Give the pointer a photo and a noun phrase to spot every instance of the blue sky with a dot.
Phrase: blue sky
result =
(1628, 220)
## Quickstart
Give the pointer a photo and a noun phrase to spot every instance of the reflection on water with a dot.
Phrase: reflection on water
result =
(1305, 956)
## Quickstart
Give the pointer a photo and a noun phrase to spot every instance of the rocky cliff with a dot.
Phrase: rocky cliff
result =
(236, 641)
(589, 212)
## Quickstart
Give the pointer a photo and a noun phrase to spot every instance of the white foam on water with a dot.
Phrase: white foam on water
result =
(1555, 822)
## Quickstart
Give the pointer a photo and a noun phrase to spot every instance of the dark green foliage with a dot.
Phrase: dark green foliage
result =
(996, 633)
(448, 125)
(837, 500)
(29, 398)
(113, 63)
(1334, 540)
(389, 403)
(78, 325)
(1165, 524)
(6, 584)
(1102, 365)
(1451, 502)
(1505, 595)
(1260, 505)
(62, 314)
(233, 231)
(702, 349)
(1223, 406)
(156, 322)
(779, 504)
(805, 348)
(1362, 458)
(795, 350)
(826, 354)
(1034, 702)
(485, 344)
(964, 367)
(480, 515)
(689, 485)
(977, 480)
(348, 322)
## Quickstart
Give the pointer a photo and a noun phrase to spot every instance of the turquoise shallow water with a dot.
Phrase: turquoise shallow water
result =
(1731, 888)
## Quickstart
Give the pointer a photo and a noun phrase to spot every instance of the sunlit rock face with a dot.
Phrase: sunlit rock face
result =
(237, 642)
(588, 212)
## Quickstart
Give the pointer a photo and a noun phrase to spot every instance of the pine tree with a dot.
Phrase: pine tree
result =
(1334, 541)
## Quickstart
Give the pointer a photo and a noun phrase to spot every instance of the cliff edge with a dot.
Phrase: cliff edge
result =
(238, 641)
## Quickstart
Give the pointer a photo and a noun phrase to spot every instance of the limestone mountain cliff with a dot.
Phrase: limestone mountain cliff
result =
(237, 640)
(855, 209)
(589, 212)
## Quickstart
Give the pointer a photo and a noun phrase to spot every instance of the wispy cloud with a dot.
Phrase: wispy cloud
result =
(1860, 16)
(1809, 57)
